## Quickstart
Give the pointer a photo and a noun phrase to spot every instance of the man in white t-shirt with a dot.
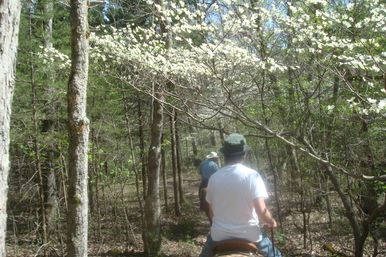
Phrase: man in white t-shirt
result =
(236, 196)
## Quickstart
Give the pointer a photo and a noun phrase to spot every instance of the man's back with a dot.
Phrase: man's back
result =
(207, 168)
(231, 192)
(236, 195)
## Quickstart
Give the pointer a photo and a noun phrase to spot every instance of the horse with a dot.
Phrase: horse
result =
(235, 248)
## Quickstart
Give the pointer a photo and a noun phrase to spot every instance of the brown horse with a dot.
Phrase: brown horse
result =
(235, 248)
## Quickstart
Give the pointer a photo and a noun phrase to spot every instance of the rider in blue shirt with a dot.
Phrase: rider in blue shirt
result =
(207, 168)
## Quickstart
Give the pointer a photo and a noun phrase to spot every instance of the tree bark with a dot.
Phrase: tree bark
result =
(142, 147)
(328, 146)
(78, 126)
(179, 158)
(164, 182)
(133, 160)
(221, 131)
(49, 178)
(177, 208)
(42, 228)
(9, 30)
(213, 138)
(152, 233)
(194, 143)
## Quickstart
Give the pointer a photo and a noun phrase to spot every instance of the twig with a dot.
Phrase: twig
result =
(43, 245)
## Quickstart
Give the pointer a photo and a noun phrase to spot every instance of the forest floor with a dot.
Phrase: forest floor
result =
(115, 230)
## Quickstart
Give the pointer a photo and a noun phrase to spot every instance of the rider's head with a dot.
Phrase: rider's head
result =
(234, 148)
(212, 155)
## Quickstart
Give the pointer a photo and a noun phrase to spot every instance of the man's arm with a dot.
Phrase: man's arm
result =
(210, 213)
(263, 213)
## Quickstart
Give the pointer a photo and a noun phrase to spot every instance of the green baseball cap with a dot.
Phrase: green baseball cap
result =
(234, 144)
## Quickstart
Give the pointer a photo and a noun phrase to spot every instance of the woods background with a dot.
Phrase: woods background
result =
(166, 81)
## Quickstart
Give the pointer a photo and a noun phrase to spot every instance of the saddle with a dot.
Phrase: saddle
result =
(235, 248)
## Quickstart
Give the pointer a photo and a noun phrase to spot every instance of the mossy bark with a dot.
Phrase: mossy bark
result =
(9, 30)
(78, 127)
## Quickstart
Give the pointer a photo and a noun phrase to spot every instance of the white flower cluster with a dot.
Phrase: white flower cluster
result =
(374, 106)
(238, 41)
(51, 57)
(378, 106)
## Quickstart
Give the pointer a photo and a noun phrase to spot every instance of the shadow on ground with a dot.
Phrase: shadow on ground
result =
(133, 254)
(184, 230)
(111, 253)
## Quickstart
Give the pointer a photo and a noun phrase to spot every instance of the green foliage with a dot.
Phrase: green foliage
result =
(77, 200)
(280, 238)
(312, 73)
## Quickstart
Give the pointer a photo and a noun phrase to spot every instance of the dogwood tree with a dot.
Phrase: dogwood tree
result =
(297, 71)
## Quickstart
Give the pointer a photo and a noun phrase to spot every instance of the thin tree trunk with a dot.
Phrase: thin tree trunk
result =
(177, 208)
(269, 152)
(49, 178)
(328, 146)
(350, 214)
(91, 173)
(263, 55)
(64, 177)
(78, 126)
(328, 204)
(37, 163)
(194, 159)
(302, 196)
(98, 205)
(309, 227)
(275, 181)
(93, 166)
(194, 143)
(221, 131)
(152, 233)
(134, 163)
(369, 195)
(9, 30)
(213, 138)
(142, 147)
(359, 232)
(164, 182)
(95, 176)
(179, 158)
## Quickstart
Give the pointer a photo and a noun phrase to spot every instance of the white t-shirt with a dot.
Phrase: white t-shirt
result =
(231, 191)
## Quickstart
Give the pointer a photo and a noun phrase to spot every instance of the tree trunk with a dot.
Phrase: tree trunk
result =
(275, 181)
(349, 211)
(42, 228)
(328, 203)
(193, 138)
(194, 143)
(91, 173)
(78, 126)
(193, 159)
(359, 237)
(142, 147)
(221, 131)
(213, 138)
(49, 178)
(152, 233)
(9, 30)
(164, 182)
(301, 191)
(328, 146)
(177, 208)
(179, 158)
(134, 163)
